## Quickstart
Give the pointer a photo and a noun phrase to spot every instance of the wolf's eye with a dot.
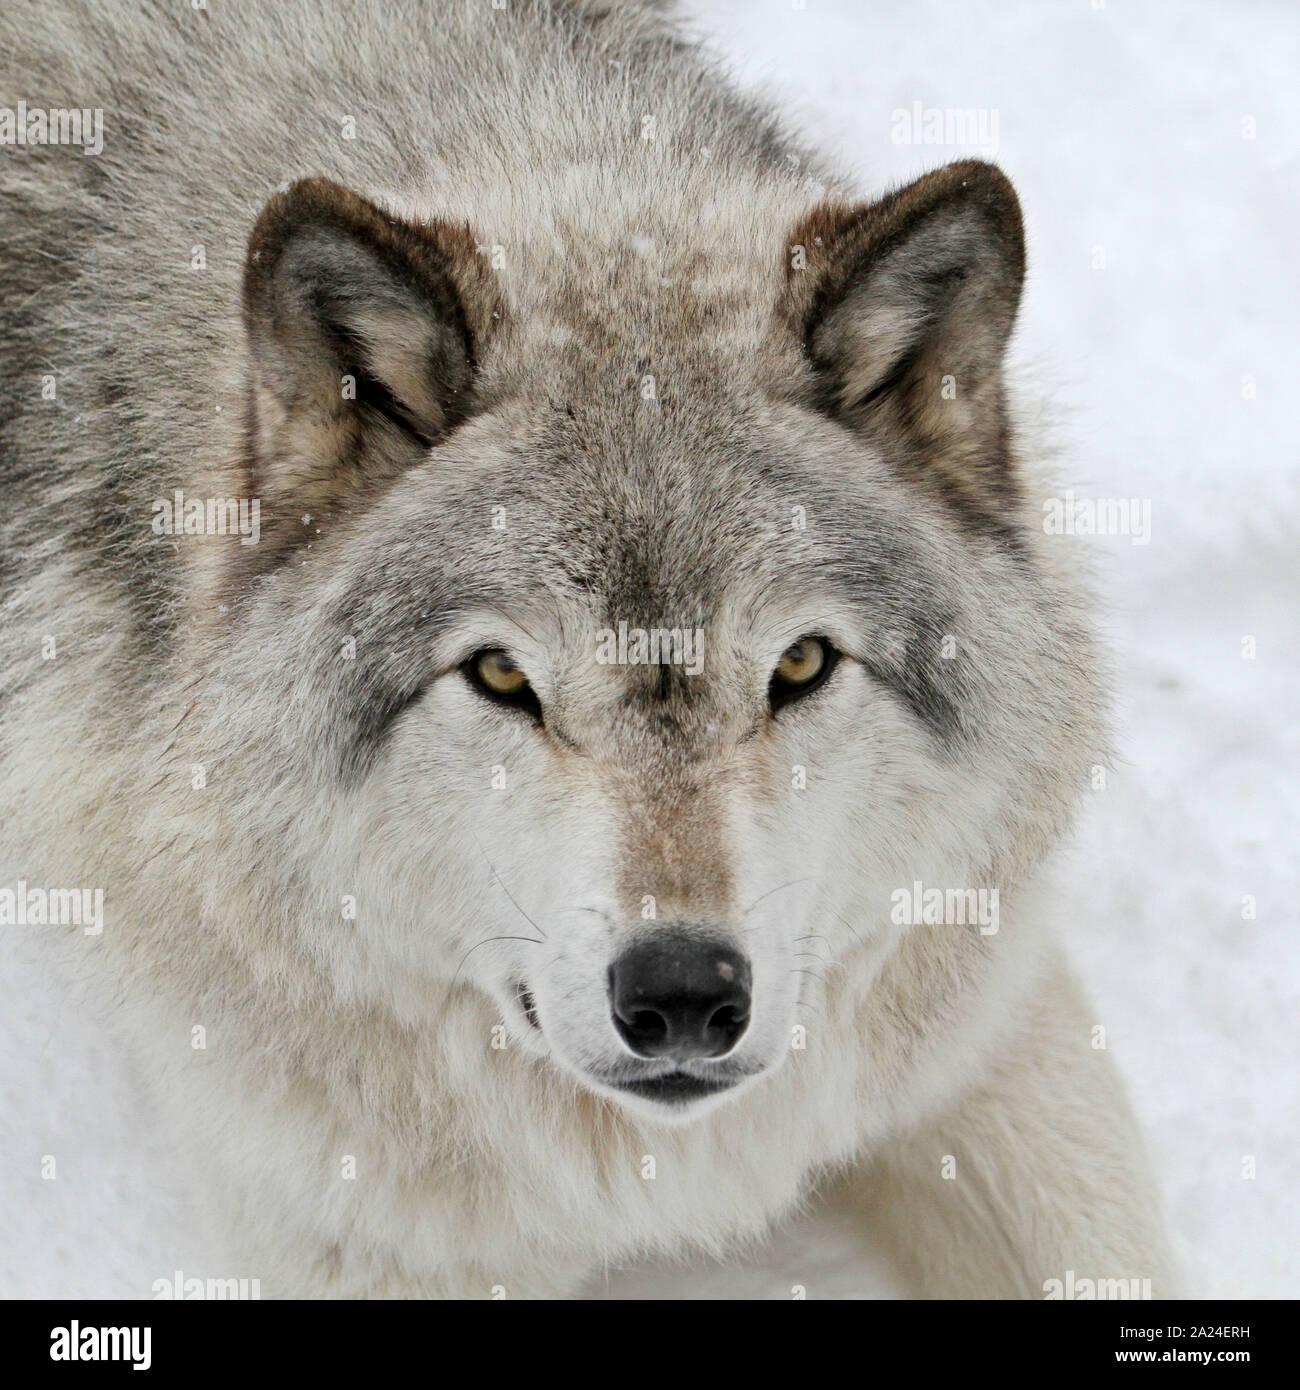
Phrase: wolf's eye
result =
(493, 673)
(804, 665)
(501, 676)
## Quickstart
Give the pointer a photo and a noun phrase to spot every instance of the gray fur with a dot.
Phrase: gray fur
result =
(314, 681)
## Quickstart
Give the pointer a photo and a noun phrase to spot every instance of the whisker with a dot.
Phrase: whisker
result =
(770, 891)
(844, 921)
(506, 891)
(487, 941)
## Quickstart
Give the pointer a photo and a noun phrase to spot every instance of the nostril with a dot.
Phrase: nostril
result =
(728, 1022)
(646, 1026)
(679, 995)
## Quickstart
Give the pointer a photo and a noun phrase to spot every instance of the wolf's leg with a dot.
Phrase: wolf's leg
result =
(332, 1274)
(470, 1285)
(1037, 1171)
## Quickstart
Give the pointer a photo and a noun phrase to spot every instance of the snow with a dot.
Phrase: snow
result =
(1161, 313)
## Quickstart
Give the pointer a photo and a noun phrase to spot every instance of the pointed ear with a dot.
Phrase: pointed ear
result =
(904, 308)
(363, 334)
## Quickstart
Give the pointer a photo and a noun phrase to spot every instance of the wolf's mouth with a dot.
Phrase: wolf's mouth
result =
(677, 1087)
(527, 1004)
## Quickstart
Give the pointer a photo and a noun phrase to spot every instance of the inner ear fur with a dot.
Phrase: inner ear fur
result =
(904, 308)
(364, 332)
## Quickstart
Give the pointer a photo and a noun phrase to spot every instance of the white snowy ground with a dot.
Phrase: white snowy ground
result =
(1122, 125)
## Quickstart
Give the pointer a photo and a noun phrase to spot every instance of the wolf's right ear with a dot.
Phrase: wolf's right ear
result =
(904, 308)
(363, 332)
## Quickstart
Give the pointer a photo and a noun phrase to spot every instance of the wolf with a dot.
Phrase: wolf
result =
(464, 963)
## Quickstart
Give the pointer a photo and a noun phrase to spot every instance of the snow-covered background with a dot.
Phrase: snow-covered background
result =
(1156, 147)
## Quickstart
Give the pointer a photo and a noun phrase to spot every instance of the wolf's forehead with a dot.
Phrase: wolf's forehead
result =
(688, 507)
(668, 539)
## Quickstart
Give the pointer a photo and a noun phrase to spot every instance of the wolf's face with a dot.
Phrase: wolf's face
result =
(640, 836)
(631, 709)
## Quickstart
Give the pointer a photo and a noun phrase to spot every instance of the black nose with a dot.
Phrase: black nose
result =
(680, 996)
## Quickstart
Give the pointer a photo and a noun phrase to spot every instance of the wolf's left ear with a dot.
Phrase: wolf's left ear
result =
(904, 308)
(363, 331)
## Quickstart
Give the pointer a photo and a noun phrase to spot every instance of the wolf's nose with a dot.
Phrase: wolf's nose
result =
(674, 995)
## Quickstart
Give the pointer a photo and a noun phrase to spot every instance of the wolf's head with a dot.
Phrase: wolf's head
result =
(633, 625)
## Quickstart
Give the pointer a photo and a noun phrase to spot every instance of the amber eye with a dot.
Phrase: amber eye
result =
(494, 673)
(804, 665)
(499, 673)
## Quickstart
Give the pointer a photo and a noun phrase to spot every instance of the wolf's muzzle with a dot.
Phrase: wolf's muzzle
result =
(678, 995)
